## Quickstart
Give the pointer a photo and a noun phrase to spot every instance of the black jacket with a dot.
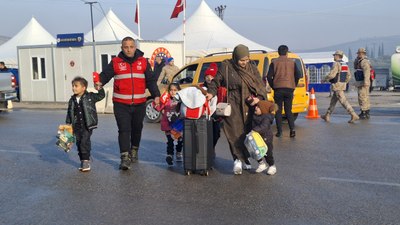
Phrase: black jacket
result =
(89, 100)
(151, 82)
(262, 124)
(158, 68)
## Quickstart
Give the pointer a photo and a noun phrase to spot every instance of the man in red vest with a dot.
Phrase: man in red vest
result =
(132, 74)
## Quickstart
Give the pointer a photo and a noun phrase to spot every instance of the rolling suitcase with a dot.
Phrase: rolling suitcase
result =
(197, 146)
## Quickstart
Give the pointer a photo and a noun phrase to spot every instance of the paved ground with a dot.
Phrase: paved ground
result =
(336, 173)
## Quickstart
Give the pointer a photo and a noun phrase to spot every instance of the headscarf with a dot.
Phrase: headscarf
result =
(249, 73)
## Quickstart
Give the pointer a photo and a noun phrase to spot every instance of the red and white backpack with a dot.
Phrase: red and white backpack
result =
(193, 103)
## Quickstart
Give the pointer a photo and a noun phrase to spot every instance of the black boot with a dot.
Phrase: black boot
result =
(125, 161)
(292, 133)
(367, 116)
(170, 150)
(279, 133)
(179, 155)
(362, 115)
(133, 154)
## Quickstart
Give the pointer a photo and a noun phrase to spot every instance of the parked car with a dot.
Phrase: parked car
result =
(8, 91)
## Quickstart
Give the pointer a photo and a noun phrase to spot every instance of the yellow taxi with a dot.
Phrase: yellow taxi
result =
(193, 73)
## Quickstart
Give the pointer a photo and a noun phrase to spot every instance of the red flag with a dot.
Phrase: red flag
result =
(136, 15)
(178, 8)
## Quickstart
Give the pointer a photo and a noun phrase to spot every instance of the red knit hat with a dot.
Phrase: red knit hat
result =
(212, 70)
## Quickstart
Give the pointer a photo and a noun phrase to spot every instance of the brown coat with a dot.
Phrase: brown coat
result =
(238, 124)
(283, 73)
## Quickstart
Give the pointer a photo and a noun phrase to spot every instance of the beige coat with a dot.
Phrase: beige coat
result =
(168, 72)
(365, 65)
(338, 86)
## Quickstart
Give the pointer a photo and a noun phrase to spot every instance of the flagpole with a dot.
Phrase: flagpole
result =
(138, 12)
(184, 32)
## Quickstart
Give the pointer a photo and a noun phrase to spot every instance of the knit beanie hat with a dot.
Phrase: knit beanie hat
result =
(239, 52)
(211, 70)
(170, 59)
(266, 107)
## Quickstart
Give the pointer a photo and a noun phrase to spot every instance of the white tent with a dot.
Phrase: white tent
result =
(110, 28)
(319, 57)
(207, 33)
(32, 34)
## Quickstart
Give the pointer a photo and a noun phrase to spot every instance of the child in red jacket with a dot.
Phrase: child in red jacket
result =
(169, 114)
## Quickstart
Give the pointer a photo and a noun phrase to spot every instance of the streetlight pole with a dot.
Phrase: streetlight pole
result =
(93, 42)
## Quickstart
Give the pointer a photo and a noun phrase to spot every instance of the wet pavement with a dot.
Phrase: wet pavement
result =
(331, 173)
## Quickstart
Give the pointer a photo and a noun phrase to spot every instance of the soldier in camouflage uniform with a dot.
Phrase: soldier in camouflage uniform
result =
(363, 82)
(339, 77)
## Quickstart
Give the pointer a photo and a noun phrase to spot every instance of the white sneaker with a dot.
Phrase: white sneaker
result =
(271, 170)
(261, 167)
(246, 166)
(237, 167)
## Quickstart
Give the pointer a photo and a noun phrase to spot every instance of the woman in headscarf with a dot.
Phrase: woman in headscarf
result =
(245, 89)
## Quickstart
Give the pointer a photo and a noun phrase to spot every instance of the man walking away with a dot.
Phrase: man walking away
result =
(283, 76)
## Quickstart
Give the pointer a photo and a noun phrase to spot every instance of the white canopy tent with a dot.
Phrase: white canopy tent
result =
(110, 28)
(319, 57)
(32, 34)
(206, 33)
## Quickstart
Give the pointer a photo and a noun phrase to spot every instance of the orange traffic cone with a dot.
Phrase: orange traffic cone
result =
(312, 107)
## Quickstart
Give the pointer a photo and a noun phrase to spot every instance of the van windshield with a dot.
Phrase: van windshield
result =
(203, 71)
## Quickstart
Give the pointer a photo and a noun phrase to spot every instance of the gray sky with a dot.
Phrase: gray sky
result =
(301, 24)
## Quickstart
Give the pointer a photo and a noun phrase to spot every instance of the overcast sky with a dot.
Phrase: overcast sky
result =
(301, 24)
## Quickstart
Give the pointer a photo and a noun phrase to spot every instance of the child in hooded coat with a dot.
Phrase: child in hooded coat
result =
(262, 122)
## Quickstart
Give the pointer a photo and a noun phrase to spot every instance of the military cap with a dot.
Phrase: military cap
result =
(362, 50)
(339, 52)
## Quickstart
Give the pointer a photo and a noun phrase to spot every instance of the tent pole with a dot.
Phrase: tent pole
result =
(184, 32)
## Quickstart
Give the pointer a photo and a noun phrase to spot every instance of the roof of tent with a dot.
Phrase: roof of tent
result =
(32, 34)
(319, 57)
(110, 28)
(207, 33)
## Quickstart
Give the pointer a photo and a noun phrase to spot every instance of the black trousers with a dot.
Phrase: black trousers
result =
(216, 132)
(130, 124)
(269, 157)
(170, 145)
(83, 143)
(284, 96)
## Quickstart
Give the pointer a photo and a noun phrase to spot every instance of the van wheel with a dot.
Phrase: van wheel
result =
(152, 115)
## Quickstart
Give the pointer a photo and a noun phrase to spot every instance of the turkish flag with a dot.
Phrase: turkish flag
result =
(178, 8)
(136, 15)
